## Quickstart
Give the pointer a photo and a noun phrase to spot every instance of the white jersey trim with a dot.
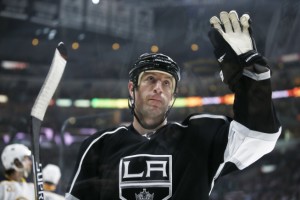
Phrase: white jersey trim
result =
(83, 156)
(69, 196)
(184, 126)
(209, 116)
(246, 146)
(202, 116)
(257, 77)
(242, 142)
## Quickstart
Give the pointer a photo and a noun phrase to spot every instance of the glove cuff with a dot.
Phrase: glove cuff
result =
(252, 57)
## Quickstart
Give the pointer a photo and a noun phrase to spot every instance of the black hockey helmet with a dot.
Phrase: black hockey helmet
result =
(157, 62)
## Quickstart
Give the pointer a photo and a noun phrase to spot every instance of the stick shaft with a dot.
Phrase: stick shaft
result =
(37, 167)
(38, 112)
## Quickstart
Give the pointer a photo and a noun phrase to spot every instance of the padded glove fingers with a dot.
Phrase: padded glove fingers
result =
(229, 26)
(234, 45)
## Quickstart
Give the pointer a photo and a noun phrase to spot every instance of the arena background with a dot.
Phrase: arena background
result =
(104, 38)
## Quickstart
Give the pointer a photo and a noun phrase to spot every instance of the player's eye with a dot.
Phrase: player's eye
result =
(150, 79)
(167, 83)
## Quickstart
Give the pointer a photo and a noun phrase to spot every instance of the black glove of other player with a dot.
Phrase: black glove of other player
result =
(234, 45)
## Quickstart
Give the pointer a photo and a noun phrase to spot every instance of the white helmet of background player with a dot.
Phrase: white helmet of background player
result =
(51, 174)
(15, 156)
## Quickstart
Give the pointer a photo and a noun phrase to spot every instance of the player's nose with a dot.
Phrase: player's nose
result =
(158, 86)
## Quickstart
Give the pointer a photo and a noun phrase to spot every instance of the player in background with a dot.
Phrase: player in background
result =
(51, 177)
(16, 160)
(154, 159)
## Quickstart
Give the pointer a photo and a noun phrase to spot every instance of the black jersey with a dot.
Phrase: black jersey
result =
(180, 160)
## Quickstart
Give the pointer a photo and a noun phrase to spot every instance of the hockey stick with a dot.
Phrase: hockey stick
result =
(38, 112)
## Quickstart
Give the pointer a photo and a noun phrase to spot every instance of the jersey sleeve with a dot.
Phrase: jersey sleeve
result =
(255, 128)
(253, 106)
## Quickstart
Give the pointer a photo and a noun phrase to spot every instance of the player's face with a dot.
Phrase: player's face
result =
(153, 96)
(27, 164)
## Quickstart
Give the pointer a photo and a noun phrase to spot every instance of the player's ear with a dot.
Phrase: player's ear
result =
(172, 100)
(130, 88)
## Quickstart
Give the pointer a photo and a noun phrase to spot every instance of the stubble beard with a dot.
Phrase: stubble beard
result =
(150, 118)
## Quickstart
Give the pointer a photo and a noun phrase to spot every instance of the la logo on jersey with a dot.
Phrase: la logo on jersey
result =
(145, 177)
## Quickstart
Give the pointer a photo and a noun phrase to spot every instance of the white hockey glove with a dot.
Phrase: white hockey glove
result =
(234, 45)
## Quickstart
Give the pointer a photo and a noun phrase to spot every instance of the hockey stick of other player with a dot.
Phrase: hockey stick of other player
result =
(38, 112)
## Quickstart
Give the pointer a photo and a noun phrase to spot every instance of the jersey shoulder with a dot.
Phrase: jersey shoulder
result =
(109, 131)
(7, 182)
(104, 133)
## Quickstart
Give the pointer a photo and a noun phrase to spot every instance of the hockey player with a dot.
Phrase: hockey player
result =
(155, 159)
(17, 164)
(51, 177)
